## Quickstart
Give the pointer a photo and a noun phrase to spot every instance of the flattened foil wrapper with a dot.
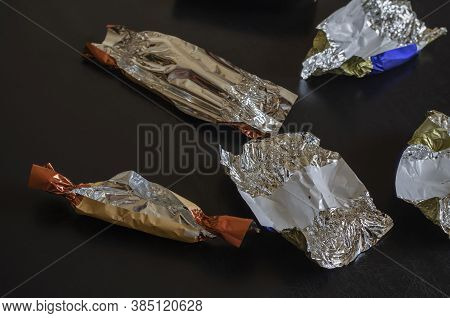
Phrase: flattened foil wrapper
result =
(348, 39)
(198, 82)
(423, 174)
(309, 195)
(129, 200)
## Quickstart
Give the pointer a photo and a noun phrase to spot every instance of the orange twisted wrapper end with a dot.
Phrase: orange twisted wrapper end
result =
(47, 179)
(231, 229)
(100, 56)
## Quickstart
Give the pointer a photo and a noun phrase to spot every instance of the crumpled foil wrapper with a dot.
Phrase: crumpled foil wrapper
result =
(309, 195)
(198, 82)
(129, 200)
(363, 28)
(423, 174)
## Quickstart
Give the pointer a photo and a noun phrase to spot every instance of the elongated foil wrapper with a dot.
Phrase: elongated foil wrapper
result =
(423, 174)
(367, 37)
(129, 200)
(309, 195)
(198, 82)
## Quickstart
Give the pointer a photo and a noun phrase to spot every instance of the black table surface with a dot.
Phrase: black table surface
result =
(62, 109)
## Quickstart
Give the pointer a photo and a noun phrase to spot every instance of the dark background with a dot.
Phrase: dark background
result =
(58, 108)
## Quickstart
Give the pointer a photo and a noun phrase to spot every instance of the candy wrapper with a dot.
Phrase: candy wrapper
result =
(423, 174)
(129, 200)
(367, 37)
(198, 82)
(309, 195)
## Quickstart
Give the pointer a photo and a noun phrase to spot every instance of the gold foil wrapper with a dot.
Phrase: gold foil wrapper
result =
(198, 82)
(424, 170)
(129, 200)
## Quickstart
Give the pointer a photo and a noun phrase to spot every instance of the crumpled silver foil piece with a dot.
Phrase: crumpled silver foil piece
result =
(422, 152)
(198, 82)
(423, 174)
(365, 28)
(329, 59)
(444, 214)
(394, 19)
(294, 185)
(264, 165)
(339, 235)
(440, 119)
(129, 190)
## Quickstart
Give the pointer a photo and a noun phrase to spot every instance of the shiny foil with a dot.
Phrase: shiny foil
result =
(349, 37)
(423, 174)
(129, 200)
(198, 82)
(309, 195)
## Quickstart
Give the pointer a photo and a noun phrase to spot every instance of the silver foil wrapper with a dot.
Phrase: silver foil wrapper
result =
(198, 82)
(365, 28)
(309, 195)
(423, 174)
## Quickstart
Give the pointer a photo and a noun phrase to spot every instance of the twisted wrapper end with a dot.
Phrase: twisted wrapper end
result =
(99, 55)
(231, 229)
(47, 179)
(248, 130)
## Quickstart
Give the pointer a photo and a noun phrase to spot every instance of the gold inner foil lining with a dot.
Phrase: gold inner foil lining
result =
(431, 135)
(162, 227)
(355, 66)
(430, 208)
(296, 237)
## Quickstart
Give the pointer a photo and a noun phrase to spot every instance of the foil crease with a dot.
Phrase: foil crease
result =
(364, 28)
(132, 192)
(423, 175)
(198, 82)
(334, 235)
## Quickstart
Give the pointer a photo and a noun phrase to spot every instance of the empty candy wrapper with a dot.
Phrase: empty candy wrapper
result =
(368, 37)
(423, 174)
(309, 195)
(129, 200)
(198, 82)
